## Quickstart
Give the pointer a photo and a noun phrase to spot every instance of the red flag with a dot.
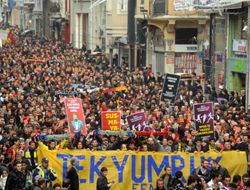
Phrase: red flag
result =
(11, 38)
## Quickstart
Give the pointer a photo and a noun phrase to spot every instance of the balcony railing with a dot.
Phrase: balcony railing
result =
(159, 7)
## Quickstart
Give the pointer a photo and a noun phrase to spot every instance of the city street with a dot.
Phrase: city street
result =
(153, 108)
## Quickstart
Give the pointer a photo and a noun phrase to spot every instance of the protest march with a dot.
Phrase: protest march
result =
(68, 117)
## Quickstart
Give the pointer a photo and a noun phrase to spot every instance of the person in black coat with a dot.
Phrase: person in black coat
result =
(177, 183)
(167, 178)
(102, 181)
(72, 175)
(217, 168)
(203, 171)
(16, 179)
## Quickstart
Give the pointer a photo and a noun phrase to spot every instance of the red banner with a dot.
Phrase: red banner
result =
(148, 133)
(75, 116)
(111, 120)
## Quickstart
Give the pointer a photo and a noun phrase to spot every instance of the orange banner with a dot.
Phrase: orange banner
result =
(34, 61)
(116, 89)
(111, 120)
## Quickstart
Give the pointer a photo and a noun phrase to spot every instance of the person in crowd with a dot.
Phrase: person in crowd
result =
(217, 168)
(28, 173)
(201, 183)
(212, 145)
(160, 184)
(16, 179)
(226, 180)
(247, 185)
(46, 173)
(14, 148)
(177, 183)
(203, 171)
(214, 183)
(227, 146)
(56, 186)
(41, 184)
(167, 178)
(245, 179)
(191, 182)
(102, 181)
(72, 175)
(236, 183)
(36, 180)
(3, 178)
(31, 154)
(198, 146)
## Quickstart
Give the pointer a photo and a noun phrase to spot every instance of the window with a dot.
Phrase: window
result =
(159, 7)
(122, 5)
(186, 36)
(142, 3)
(109, 5)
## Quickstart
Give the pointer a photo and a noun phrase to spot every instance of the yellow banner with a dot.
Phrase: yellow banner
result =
(135, 171)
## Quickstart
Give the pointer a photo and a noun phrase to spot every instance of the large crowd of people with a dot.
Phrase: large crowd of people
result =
(33, 70)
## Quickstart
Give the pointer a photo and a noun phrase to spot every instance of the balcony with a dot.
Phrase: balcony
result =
(159, 7)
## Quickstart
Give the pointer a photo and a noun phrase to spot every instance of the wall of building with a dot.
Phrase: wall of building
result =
(79, 23)
(236, 64)
(97, 21)
(116, 23)
(172, 19)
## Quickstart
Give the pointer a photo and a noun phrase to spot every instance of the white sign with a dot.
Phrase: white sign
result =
(240, 46)
(3, 35)
(186, 48)
(184, 5)
(29, 2)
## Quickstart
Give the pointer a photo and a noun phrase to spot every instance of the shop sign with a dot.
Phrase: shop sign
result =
(186, 48)
(240, 46)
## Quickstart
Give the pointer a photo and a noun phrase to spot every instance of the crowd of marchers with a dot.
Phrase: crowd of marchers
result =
(32, 70)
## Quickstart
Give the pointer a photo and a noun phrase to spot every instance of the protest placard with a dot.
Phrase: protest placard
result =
(75, 116)
(170, 88)
(204, 119)
(111, 120)
(137, 122)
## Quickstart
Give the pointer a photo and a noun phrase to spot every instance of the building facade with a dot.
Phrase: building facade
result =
(116, 28)
(108, 20)
(237, 63)
(97, 22)
(176, 35)
(79, 22)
